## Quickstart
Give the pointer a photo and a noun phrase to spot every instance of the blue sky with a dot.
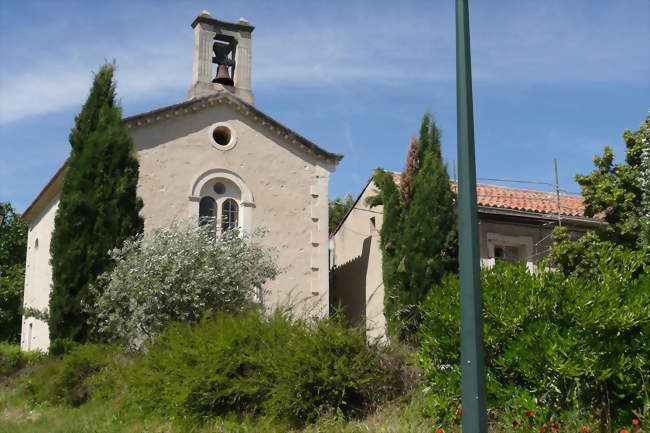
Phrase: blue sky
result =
(552, 79)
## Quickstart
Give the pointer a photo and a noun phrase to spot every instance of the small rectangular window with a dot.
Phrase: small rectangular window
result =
(507, 253)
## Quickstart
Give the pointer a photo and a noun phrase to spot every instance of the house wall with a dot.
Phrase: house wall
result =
(357, 262)
(38, 277)
(534, 240)
(284, 190)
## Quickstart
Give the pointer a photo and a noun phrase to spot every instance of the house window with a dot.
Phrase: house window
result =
(507, 253)
(508, 248)
(207, 211)
(229, 214)
(219, 188)
(219, 205)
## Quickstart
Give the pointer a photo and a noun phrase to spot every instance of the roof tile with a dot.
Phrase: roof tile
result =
(528, 200)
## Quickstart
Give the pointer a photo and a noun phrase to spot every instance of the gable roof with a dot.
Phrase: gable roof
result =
(505, 197)
(521, 199)
(224, 97)
(524, 202)
(187, 107)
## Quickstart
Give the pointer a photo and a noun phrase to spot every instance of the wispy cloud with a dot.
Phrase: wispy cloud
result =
(524, 44)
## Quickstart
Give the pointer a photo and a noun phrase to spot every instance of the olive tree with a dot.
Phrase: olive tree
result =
(177, 273)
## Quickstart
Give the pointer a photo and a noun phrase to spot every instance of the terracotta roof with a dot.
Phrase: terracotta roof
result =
(526, 200)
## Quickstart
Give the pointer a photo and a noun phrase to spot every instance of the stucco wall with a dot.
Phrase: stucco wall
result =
(355, 248)
(286, 193)
(536, 238)
(289, 191)
(38, 276)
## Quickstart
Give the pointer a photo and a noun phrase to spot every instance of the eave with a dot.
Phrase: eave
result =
(193, 105)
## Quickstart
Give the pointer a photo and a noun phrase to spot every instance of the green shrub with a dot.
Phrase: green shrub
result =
(246, 363)
(325, 368)
(551, 343)
(66, 379)
(13, 359)
(61, 346)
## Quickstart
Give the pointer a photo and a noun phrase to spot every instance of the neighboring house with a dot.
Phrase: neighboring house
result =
(215, 155)
(514, 225)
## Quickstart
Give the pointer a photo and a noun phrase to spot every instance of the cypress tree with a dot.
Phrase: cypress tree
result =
(418, 234)
(413, 163)
(98, 206)
(429, 233)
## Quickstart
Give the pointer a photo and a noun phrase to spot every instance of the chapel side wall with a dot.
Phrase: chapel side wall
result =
(289, 189)
(38, 277)
(348, 246)
(348, 240)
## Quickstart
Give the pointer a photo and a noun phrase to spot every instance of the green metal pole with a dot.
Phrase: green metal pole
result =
(471, 338)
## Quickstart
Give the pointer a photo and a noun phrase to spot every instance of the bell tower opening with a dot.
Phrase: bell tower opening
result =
(221, 58)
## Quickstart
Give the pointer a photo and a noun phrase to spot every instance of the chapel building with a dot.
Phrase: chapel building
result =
(215, 155)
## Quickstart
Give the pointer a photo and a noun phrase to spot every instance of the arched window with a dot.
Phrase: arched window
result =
(229, 214)
(207, 211)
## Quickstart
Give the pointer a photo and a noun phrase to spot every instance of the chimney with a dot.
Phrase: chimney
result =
(227, 46)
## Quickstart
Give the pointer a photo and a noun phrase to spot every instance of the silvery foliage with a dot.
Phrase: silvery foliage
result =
(177, 273)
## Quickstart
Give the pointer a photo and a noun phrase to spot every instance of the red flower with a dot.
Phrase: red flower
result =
(553, 429)
(515, 423)
(635, 421)
(542, 430)
(624, 431)
(551, 423)
(459, 413)
(584, 428)
(530, 413)
(440, 431)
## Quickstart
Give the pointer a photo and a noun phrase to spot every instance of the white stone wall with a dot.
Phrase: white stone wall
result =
(38, 277)
(284, 190)
(288, 188)
(362, 223)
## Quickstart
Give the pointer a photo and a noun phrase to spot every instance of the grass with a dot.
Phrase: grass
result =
(103, 416)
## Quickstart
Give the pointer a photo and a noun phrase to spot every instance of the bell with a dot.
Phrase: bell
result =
(223, 77)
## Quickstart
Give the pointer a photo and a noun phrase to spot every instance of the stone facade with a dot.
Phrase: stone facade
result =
(278, 179)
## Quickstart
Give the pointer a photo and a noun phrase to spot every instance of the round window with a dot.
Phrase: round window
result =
(219, 188)
(222, 135)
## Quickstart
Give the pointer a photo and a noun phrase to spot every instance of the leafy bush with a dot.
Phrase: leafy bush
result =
(66, 379)
(551, 342)
(176, 274)
(13, 247)
(288, 369)
(325, 368)
(61, 346)
(13, 359)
